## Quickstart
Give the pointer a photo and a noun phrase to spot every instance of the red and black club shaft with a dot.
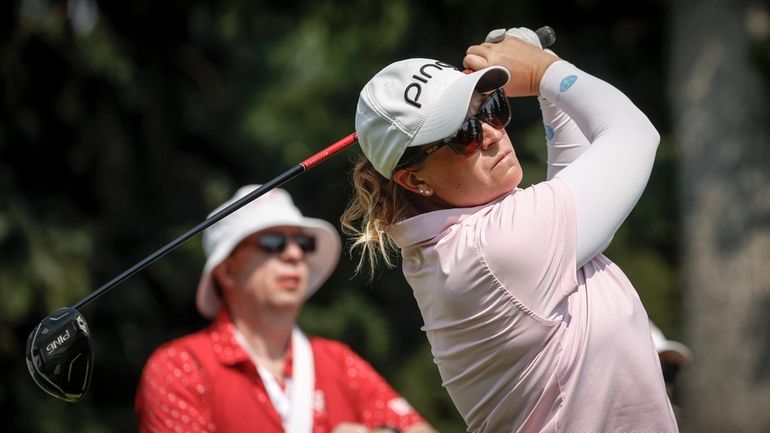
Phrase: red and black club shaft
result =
(277, 181)
(59, 351)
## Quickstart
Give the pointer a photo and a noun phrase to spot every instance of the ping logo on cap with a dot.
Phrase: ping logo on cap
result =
(413, 91)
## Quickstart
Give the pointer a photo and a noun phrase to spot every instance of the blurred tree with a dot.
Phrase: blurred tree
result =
(721, 114)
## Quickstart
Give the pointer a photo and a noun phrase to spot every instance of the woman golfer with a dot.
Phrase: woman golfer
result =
(531, 327)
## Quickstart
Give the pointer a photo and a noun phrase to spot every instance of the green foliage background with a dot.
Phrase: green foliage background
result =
(120, 133)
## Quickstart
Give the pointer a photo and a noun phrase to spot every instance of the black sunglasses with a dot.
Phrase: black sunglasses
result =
(277, 242)
(495, 111)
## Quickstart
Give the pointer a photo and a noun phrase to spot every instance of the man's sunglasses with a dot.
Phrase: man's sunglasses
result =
(277, 242)
(495, 111)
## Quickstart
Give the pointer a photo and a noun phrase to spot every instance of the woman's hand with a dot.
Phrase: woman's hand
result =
(526, 63)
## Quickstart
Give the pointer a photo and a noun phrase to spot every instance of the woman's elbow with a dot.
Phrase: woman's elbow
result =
(654, 136)
(647, 133)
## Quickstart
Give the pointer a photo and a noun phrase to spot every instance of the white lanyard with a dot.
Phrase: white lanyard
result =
(281, 399)
(294, 405)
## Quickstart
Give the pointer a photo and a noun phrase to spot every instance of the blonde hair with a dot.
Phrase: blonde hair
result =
(377, 204)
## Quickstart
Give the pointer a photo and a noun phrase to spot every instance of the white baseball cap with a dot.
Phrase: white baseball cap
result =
(674, 351)
(414, 102)
(273, 209)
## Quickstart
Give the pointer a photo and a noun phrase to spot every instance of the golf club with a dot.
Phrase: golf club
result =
(59, 352)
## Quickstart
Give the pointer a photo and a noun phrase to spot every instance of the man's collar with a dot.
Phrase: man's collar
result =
(223, 342)
(227, 348)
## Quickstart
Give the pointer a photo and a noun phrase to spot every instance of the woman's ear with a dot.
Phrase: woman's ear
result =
(410, 181)
(407, 180)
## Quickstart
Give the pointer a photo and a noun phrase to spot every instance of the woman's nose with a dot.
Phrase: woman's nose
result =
(491, 135)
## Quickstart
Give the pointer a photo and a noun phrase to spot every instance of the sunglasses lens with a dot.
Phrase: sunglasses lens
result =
(272, 242)
(276, 242)
(305, 243)
(496, 110)
(468, 138)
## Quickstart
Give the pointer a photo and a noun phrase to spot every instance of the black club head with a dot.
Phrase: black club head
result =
(59, 354)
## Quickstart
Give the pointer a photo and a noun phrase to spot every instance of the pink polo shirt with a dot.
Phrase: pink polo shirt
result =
(522, 341)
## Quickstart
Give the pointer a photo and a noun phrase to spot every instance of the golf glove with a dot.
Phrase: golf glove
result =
(523, 33)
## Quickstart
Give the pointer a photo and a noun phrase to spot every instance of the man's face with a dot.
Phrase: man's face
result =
(267, 270)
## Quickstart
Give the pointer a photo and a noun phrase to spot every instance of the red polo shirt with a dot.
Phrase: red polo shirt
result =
(206, 382)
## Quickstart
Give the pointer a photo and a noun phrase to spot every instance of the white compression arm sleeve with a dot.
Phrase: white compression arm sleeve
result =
(565, 140)
(609, 174)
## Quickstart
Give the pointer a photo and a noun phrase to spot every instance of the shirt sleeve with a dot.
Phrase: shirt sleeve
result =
(528, 244)
(608, 177)
(170, 396)
(376, 402)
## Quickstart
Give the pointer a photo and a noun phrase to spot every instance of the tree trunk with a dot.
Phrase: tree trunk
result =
(721, 123)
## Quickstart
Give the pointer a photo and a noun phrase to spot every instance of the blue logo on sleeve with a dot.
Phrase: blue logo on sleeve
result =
(548, 132)
(567, 82)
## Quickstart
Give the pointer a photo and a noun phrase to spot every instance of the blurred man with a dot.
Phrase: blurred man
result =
(253, 369)
(673, 356)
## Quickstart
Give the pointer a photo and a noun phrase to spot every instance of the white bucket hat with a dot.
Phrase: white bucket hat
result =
(414, 102)
(273, 209)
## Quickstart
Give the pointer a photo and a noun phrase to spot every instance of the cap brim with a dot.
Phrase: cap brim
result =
(669, 351)
(674, 352)
(451, 109)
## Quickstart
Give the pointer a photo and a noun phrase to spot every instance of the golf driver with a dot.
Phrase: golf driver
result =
(59, 352)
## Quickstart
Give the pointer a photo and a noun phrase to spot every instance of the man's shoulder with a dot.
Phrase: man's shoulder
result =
(330, 348)
(183, 346)
(327, 343)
